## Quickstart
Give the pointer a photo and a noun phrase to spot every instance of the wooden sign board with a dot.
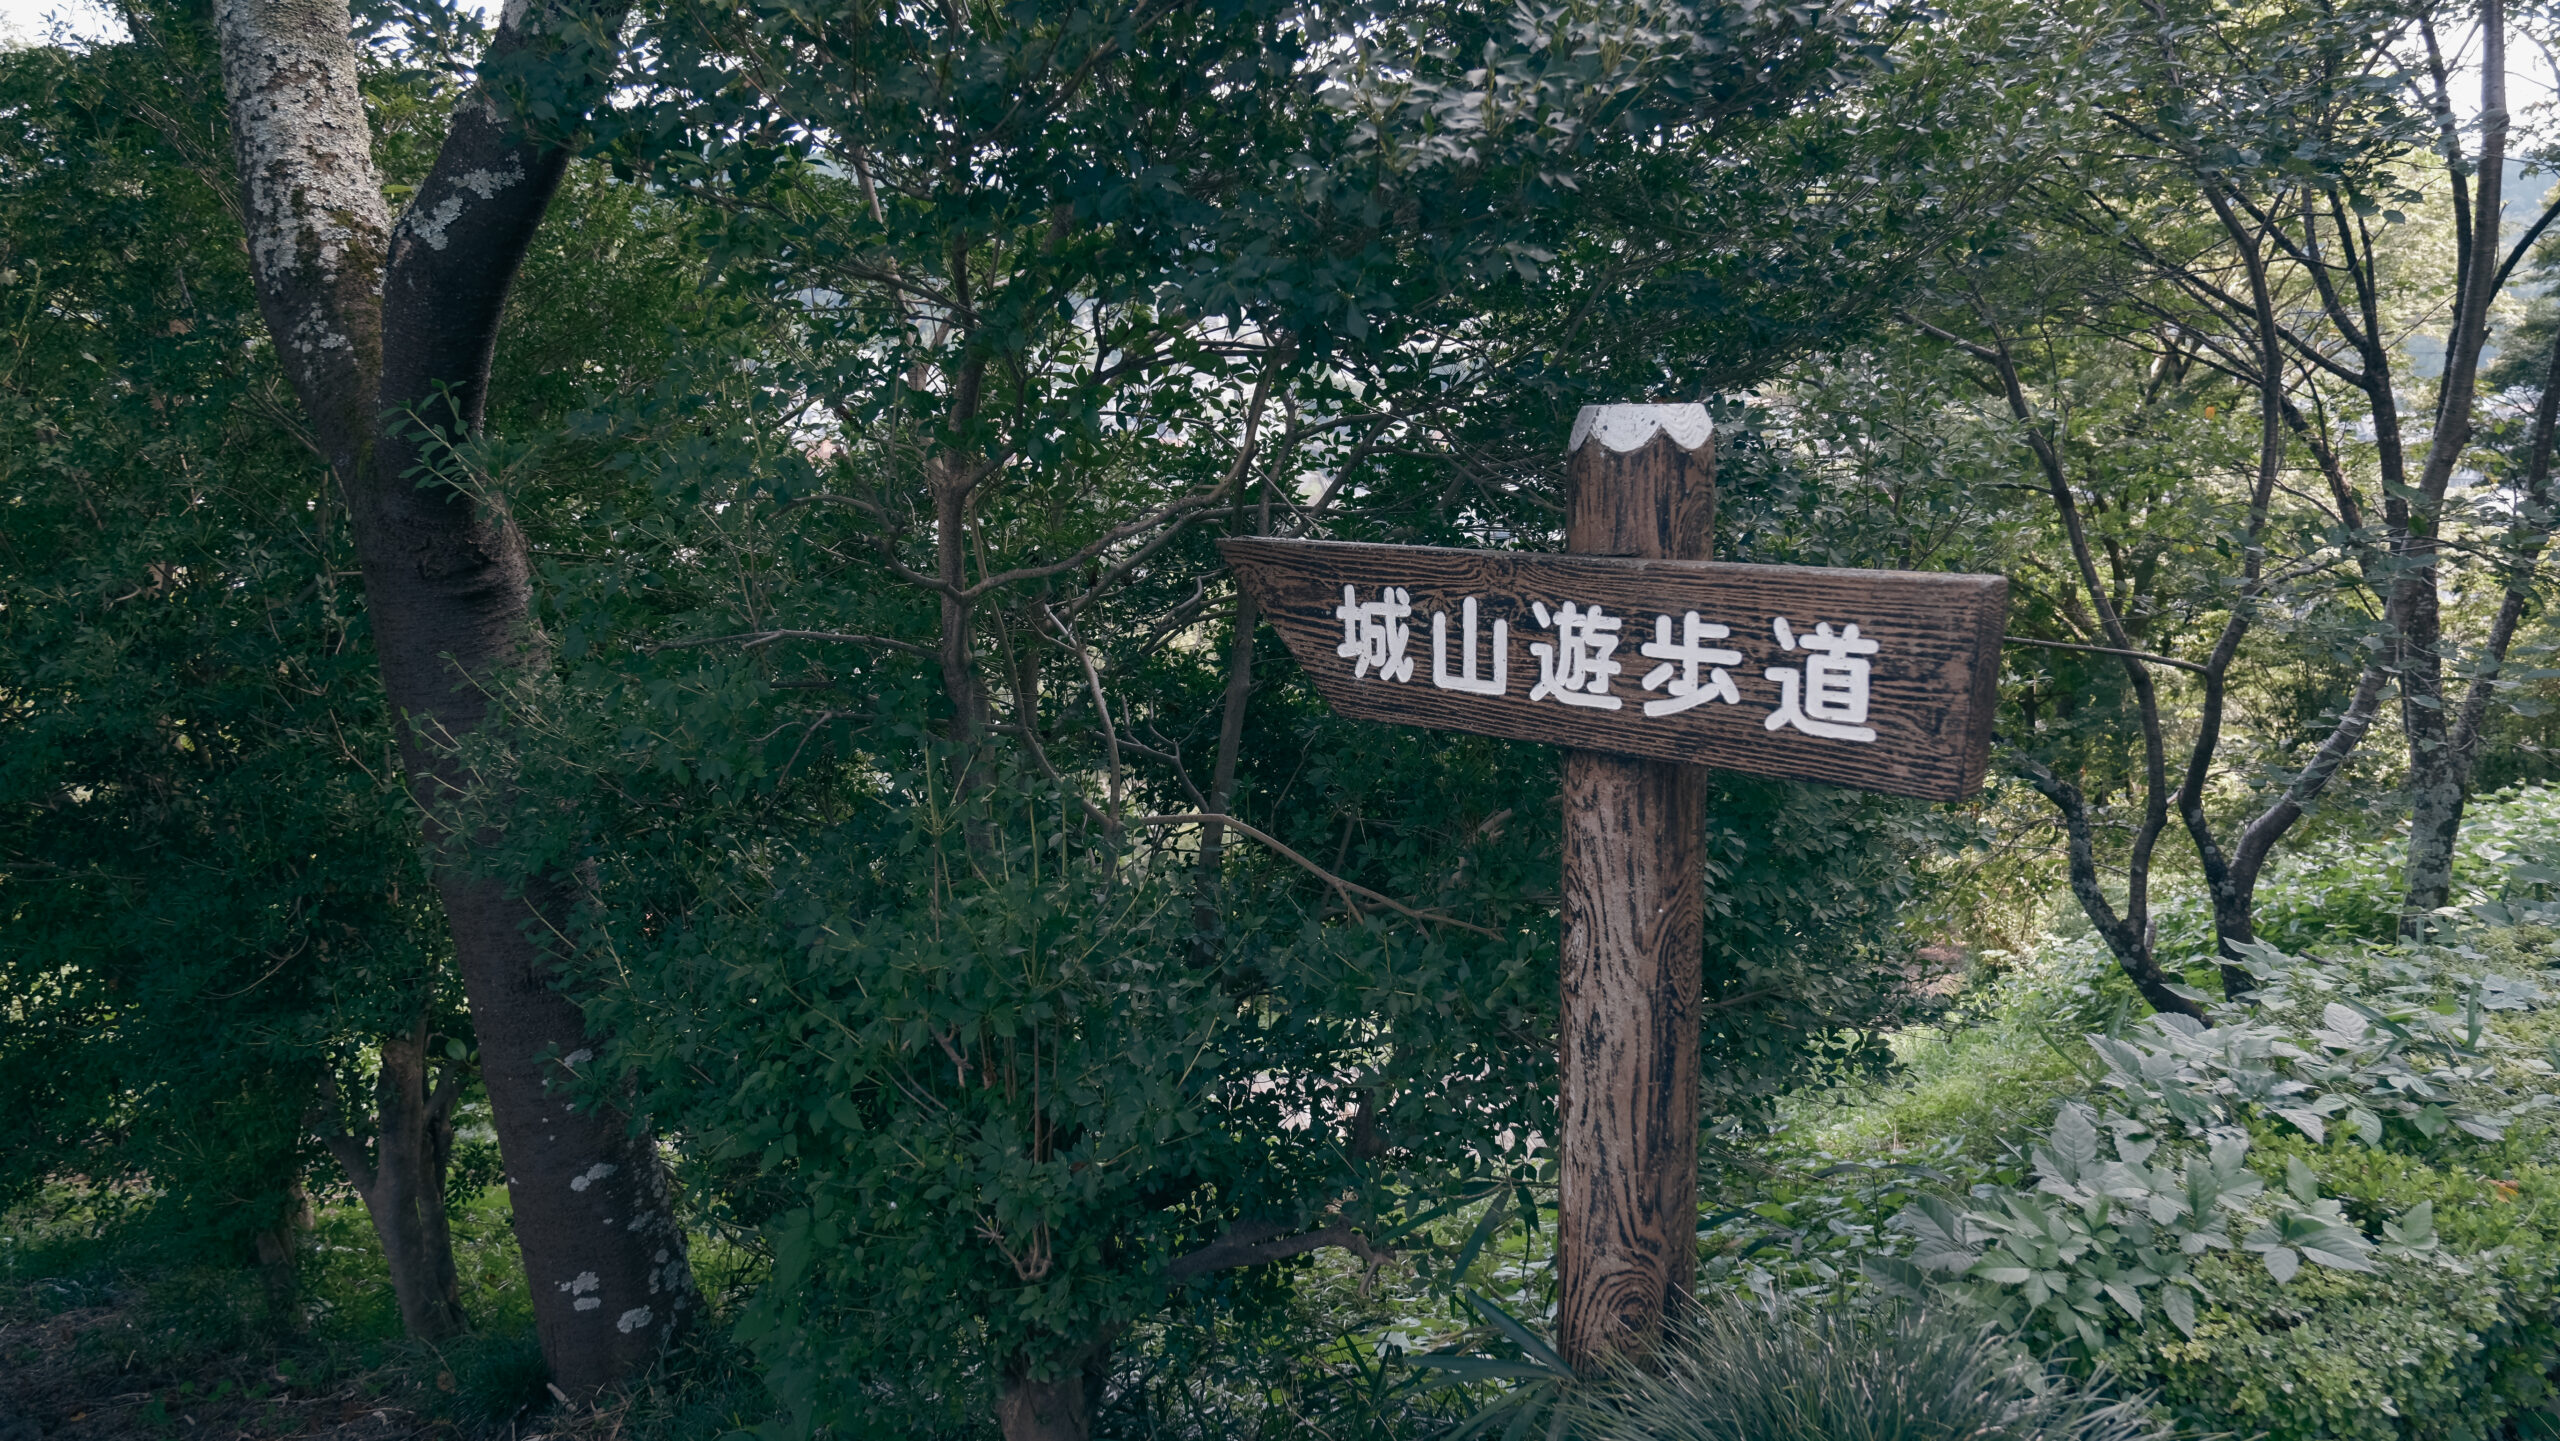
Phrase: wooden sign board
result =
(1881, 680)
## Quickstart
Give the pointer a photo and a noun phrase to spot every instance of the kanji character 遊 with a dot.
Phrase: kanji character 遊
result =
(1374, 632)
(1680, 665)
(1576, 669)
(1466, 679)
(1830, 698)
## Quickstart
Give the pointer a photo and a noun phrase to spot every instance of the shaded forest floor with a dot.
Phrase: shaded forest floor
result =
(118, 1368)
(104, 1341)
(81, 1375)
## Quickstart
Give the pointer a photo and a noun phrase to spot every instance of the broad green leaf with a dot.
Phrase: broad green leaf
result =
(2181, 1308)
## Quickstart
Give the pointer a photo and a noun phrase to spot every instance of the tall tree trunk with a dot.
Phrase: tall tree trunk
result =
(2437, 779)
(1222, 770)
(2526, 538)
(2235, 903)
(2435, 821)
(2130, 937)
(956, 650)
(383, 331)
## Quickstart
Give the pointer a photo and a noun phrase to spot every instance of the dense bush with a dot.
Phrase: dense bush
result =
(2333, 1214)
(2347, 887)
(210, 903)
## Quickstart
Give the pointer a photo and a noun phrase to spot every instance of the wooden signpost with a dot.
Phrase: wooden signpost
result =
(1647, 662)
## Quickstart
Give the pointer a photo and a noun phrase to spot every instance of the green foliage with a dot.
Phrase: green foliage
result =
(2125, 1225)
(1740, 1373)
(2344, 888)
(991, 1093)
(2211, 1229)
(2398, 1068)
(865, 839)
(117, 1321)
(208, 889)
(2431, 1346)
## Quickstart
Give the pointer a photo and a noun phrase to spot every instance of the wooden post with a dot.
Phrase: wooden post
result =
(1647, 662)
(1641, 483)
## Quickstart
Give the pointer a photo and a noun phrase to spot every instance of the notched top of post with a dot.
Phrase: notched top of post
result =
(1630, 427)
(1881, 680)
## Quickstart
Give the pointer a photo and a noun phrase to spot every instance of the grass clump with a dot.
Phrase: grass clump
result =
(1913, 1373)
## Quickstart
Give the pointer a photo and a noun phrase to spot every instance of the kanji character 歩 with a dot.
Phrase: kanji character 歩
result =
(1680, 663)
(1576, 669)
(1374, 632)
(1830, 698)
(1466, 678)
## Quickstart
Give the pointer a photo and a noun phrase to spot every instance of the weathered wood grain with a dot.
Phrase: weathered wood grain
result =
(1627, 1110)
(1634, 914)
(1934, 674)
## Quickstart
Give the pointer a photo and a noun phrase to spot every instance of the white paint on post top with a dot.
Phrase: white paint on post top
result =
(1628, 427)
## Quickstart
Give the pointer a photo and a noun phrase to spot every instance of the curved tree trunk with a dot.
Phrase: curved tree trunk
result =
(383, 331)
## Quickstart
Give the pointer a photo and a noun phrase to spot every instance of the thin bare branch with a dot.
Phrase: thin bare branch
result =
(1187, 818)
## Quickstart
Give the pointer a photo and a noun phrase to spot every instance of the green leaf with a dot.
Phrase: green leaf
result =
(2298, 1179)
(1521, 1336)
(1485, 1228)
(2308, 1122)
(1480, 1368)
(1410, 1224)
(2181, 1306)
(1896, 1276)
(2339, 1260)
(2075, 1139)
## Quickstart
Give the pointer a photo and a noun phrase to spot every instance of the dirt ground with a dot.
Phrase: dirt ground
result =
(84, 1374)
(78, 1375)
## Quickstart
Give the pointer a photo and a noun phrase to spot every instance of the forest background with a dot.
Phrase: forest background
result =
(633, 795)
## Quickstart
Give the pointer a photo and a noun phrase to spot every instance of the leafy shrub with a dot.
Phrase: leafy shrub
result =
(2424, 1350)
(2098, 1233)
(1813, 1374)
(2360, 1066)
(2332, 1214)
(2348, 887)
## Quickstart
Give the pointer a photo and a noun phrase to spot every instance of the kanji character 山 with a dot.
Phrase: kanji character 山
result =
(1466, 678)
(1830, 698)
(1576, 669)
(1680, 663)
(1374, 632)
